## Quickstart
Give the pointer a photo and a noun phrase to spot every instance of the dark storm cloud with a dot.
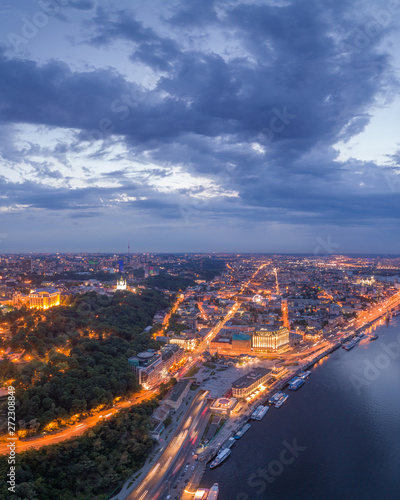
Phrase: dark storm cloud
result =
(150, 48)
(38, 195)
(298, 90)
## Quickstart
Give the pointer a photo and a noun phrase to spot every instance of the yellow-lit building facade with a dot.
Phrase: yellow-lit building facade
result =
(38, 299)
(187, 343)
(269, 339)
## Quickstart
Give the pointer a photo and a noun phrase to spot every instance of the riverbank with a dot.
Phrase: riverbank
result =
(358, 425)
(279, 385)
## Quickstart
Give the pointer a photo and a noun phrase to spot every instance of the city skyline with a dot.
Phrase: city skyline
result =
(240, 126)
(189, 353)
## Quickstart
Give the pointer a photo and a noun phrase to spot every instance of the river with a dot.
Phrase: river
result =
(338, 437)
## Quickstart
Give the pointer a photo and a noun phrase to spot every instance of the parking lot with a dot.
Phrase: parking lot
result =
(220, 382)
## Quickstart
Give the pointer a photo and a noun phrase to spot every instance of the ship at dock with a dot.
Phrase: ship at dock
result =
(240, 433)
(214, 492)
(222, 455)
(281, 400)
(275, 398)
(349, 345)
(259, 413)
(296, 383)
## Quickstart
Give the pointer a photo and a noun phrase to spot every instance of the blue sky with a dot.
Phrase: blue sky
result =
(235, 125)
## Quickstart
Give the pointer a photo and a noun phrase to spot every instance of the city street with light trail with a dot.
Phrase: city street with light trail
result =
(166, 474)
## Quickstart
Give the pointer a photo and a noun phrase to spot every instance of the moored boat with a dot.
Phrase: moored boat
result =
(273, 399)
(296, 384)
(240, 433)
(214, 492)
(281, 400)
(260, 412)
(222, 455)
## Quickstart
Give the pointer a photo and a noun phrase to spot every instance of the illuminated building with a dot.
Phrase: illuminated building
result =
(151, 367)
(151, 271)
(41, 298)
(223, 406)
(148, 367)
(171, 354)
(241, 342)
(201, 494)
(247, 384)
(121, 284)
(269, 338)
(186, 342)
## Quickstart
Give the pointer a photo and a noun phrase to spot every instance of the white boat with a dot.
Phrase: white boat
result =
(281, 400)
(273, 399)
(214, 492)
(260, 412)
(222, 455)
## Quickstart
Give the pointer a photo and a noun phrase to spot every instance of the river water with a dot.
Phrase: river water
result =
(337, 437)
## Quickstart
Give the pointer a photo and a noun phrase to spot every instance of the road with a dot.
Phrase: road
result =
(177, 454)
(77, 429)
(307, 353)
(166, 475)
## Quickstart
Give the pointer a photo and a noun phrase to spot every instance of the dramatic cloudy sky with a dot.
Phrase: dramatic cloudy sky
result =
(200, 125)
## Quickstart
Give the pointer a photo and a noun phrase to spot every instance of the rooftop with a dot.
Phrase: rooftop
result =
(178, 389)
(250, 378)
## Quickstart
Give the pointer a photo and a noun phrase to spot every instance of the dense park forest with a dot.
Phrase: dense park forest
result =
(87, 467)
(167, 282)
(80, 355)
(206, 268)
(87, 316)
